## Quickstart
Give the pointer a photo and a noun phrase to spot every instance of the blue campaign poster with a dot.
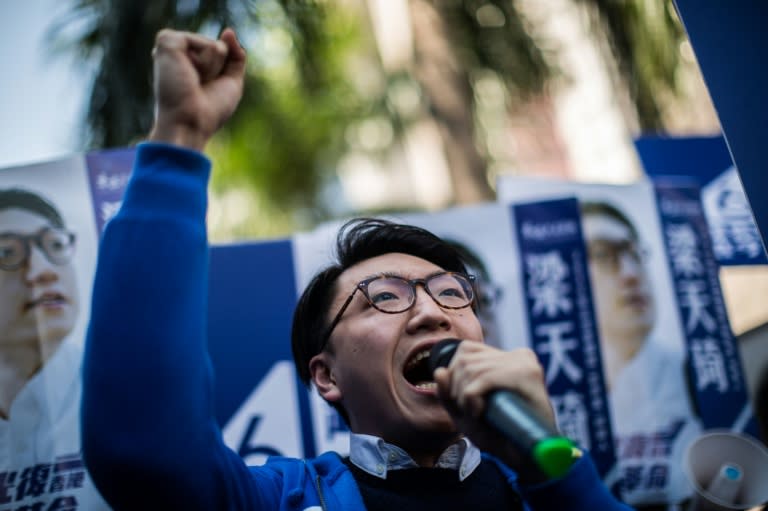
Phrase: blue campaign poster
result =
(713, 365)
(40, 462)
(707, 162)
(563, 330)
(643, 309)
(261, 407)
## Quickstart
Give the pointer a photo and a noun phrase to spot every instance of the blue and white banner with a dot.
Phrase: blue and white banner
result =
(561, 323)
(713, 363)
(707, 161)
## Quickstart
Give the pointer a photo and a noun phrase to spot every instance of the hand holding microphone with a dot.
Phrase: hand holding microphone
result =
(513, 417)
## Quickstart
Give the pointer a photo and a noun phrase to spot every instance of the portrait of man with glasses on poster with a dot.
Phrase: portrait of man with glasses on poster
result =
(653, 417)
(40, 388)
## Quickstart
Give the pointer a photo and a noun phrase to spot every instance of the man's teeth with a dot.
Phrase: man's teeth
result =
(418, 374)
(418, 358)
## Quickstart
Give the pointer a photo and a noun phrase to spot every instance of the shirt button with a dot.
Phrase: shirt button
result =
(379, 468)
(392, 456)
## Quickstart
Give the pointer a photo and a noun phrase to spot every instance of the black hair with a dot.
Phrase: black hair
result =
(358, 240)
(484, 295)
(470, 257)
(604, 208)
(20, 198)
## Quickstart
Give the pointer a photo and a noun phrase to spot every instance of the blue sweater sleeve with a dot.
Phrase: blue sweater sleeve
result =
(150, 439)
(579, 490)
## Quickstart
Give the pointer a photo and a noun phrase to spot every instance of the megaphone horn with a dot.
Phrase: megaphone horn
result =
(729, 471)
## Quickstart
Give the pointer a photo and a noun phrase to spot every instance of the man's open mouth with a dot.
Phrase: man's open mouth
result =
(417, 372)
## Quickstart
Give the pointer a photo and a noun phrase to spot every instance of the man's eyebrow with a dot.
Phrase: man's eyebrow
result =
(400, 275)
(612, 240)
(14, 234)
(386, 274)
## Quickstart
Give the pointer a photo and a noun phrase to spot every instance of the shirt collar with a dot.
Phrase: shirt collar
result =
(375, 456)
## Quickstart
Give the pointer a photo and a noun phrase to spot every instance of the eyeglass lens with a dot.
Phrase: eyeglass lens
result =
(609, 253)
(57, 245)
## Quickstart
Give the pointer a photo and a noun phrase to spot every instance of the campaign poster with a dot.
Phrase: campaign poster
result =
(48, 245)
(648, 352)
(714, 368)
(707, 162)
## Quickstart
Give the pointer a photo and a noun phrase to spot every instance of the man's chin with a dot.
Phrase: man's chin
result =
(54, 333)
(439, 425)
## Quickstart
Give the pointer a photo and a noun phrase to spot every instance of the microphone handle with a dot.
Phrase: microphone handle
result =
(514, 418)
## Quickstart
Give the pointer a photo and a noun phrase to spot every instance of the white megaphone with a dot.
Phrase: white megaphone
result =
(729, 471)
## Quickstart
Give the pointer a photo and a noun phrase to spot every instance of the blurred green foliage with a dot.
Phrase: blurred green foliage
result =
(314, 77)
(285, 139)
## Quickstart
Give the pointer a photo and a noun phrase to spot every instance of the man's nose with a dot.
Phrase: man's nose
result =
(426, 313)
(38, 269)
(630, 265)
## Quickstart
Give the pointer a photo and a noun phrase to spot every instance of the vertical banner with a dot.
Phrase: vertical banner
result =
(713, 363)
(561, 323)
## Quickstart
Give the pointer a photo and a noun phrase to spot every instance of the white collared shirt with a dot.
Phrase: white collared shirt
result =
(649, 399)
(40, 440)
(375, 456)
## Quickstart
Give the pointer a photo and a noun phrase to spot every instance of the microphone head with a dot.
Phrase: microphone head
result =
(441, 353)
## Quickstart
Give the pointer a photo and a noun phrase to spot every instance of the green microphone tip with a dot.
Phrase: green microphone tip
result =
(555, 455)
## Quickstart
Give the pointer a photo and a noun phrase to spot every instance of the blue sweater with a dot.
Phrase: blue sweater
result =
(150, 438)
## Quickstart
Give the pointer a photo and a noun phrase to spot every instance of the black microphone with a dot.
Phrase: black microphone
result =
(514, 418)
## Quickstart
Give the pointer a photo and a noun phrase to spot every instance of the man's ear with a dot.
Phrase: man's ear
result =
(321, 371)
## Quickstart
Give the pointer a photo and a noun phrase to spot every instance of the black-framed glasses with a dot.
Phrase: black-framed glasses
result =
(58, 245)
(608, 253)
(391, 294)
